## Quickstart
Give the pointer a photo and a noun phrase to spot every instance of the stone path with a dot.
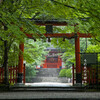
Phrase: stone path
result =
(49, 75)
(50, 95)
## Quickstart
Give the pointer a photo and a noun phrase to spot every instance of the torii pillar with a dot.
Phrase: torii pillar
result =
(78, 62)
(20, 65)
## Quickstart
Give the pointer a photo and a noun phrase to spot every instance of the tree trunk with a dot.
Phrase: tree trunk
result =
(5, 64)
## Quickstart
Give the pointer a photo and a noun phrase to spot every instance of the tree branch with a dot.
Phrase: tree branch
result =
(64, 4)
(10, 43)
(1, 39)
(56, 2)
(97, 40)
(36, 14)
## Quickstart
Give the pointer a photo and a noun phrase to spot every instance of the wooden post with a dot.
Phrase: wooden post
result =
(73, 73)
(24, 74)
(78, 62)
(20, 66)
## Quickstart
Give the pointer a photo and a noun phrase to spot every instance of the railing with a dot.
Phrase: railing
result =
(13, 71)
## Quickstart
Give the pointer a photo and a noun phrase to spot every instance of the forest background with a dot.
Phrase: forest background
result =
(22, 13)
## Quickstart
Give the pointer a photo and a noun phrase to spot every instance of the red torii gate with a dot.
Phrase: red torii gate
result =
(77, 37)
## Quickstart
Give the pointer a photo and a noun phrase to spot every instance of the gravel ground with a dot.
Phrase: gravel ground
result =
(51, 95)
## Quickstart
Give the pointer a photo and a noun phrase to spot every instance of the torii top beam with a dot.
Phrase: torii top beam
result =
(50, 22)
(57, 35)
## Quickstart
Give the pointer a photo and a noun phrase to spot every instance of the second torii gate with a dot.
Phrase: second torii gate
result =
(77, 37)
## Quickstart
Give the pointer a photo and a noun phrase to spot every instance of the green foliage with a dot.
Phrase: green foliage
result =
(62, 73)
(30, 72)
(69, 73)
(66, 73)
(34, 51)
(15, 14)
(68, 56)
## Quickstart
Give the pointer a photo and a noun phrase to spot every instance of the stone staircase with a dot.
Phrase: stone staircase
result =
(49, 75)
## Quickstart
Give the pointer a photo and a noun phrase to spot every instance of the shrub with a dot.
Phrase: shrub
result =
(65, 73)
(30, 72)
(68, 73)
(62, 73)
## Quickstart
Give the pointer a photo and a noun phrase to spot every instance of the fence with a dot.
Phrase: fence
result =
(90, 75)
(90, 69)
(13, 71)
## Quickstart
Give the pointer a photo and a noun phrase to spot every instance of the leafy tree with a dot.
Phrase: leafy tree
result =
(34, 52)
(30, 71)
(34, 55)
(84, 10)
(68, 56)
(14, 14)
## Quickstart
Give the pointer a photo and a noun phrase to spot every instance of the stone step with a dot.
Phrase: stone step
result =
(49, 75)
(50, 79)
(50, 72)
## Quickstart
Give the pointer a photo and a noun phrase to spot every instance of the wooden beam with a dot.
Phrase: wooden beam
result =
(59, 35)
(54, 24)
(84, 35)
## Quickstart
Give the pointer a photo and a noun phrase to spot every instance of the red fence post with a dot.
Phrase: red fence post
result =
(73, 72)
(16, 74)
(24, 74)
(10, 70)
(13, 78)
(0, 74)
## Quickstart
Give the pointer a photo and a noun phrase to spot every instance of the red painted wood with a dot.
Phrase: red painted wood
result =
(73, 73)
(77, 55)
(24, 74)
(68, 35)
(12, 74)
(91, 75)
(10, 70)
(56, 64)
(59, 35)
(0, 75)
(84, 35)
(16, 69)
(20, 66)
